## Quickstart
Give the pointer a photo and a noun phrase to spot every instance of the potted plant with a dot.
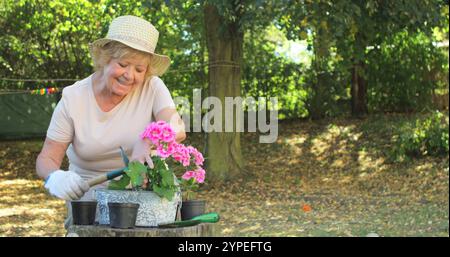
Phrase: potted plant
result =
(191, 176)
(156, 189)
(189, 183)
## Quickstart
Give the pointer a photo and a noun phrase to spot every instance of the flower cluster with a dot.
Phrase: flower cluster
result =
(163, 137)
(159, 132)
(198, 175)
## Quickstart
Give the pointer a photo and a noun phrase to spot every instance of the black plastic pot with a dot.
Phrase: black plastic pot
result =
(123, 215)
(192, 208)
(83, 212)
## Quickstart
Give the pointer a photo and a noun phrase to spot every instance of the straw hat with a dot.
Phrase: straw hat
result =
(139, 34)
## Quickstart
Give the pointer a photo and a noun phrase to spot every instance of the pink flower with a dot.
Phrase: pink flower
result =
(159, 131)
(200, 175)
(146, 133)
(198, 157)
(152, 132)
(165, 150)
(181, 154)
(167, 135)
(188, 175)
(176, 155)
(155, 134)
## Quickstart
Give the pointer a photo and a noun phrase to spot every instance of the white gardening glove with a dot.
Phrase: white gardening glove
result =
(66, 185)
(141, 152)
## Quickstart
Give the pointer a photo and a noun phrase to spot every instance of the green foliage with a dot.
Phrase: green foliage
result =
(253, 15)
(278, 77)
(137, 173)
(47, 39)
(120, 184)
(427, 136)
(402, 72)
(162, 179)
(190, 188)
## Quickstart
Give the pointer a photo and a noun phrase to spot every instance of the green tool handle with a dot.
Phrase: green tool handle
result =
(211, 217)
(105, 177)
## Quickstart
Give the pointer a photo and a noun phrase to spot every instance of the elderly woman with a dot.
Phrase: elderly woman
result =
(108, 109)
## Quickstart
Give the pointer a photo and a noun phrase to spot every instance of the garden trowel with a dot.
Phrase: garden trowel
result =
(211, 217)
(112, 174)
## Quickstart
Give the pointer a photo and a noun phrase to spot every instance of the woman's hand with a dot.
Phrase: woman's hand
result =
(66, 185)
(141, 152)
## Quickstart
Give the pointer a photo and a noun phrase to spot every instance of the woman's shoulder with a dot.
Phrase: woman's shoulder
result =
(156, 81)
(154, 84)
(79, 88)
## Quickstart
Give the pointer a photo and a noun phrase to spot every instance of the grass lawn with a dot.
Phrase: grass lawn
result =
(327, 178)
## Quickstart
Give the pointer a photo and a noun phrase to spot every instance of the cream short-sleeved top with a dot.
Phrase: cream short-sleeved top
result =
(94, 135)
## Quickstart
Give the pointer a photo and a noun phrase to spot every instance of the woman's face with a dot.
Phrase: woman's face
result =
(125, 74)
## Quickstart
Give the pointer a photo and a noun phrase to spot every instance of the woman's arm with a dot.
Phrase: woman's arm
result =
(66, 185)
(171, 116)
(50, 158)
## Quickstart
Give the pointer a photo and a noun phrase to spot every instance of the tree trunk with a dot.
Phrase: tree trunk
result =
(320, 99)
(224, 43)
(359, 90)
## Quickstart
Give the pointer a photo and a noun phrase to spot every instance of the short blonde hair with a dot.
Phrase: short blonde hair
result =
(102, 55)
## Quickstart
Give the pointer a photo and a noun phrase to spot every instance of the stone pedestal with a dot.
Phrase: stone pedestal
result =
(200, 230)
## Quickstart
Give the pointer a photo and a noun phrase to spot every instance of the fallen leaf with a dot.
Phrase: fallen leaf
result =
(306, 208)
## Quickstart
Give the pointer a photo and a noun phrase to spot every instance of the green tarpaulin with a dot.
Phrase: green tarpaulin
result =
(25, 115)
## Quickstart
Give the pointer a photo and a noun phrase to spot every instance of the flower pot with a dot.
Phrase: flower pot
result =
(153, 210)
(83, 212)
(192, 208)
(123, 215)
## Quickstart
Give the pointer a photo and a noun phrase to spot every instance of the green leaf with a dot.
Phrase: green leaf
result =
(120, 184)
(158, 163)
(136, 171)
(167, 178)
(165, 192)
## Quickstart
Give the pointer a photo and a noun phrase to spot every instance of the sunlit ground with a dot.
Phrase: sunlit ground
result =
(338, 168)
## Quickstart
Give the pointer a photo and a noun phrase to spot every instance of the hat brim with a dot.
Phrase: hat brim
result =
(159, 64)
